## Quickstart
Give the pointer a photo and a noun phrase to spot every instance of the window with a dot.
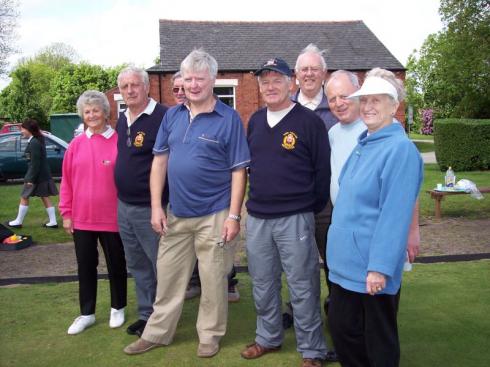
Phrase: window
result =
(225, 91)
(8, 143)
(121, 106)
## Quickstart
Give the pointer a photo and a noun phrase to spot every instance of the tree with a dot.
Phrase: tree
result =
(73, 80)
(452, 72)
(8, 21)
(57, 55)
(19, 101)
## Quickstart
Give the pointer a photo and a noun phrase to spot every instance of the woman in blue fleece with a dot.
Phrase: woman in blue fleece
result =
(367, 240)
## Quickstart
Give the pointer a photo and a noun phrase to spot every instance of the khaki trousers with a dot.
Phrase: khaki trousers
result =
(186, 239)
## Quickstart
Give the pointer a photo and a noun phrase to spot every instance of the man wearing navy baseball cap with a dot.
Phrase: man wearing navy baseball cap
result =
(289, 182)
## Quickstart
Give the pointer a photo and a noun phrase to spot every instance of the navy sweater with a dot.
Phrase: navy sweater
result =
(133, 164)
(290, 164)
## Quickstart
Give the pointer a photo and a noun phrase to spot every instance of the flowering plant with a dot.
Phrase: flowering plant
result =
(427, 121)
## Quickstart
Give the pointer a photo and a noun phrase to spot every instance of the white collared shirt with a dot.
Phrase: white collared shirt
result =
(106, 134)
(312, 104)
(148, 110)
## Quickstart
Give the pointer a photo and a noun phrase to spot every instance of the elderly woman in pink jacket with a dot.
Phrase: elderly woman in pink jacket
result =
(88, 205)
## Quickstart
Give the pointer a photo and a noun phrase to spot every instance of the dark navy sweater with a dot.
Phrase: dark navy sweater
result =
(133, 164)
(290, 164)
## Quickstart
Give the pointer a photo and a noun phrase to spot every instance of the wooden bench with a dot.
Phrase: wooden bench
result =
(439, 195)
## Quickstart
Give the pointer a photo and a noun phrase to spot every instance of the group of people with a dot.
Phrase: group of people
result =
(330, 171)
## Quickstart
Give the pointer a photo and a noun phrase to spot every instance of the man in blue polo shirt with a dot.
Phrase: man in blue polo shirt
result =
(202, 146)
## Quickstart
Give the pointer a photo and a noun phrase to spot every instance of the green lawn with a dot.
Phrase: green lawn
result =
(421, 137)
(443, 321)
(455, 206)
(36, 216)
(424, 147)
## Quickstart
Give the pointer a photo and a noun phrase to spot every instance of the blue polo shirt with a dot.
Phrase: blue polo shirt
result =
(202, 154)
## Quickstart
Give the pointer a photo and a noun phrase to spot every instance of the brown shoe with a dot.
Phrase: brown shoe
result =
(308, 362)
(140, 346)
(256, 350)
(207, 350)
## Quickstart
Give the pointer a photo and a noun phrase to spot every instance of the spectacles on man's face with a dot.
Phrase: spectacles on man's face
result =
(128, 140)
(176, 90)
(311, 69)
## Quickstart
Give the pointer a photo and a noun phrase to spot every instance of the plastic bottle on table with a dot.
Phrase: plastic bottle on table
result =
(450, 178)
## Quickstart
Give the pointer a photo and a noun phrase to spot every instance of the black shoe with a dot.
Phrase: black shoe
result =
(136, 327)
(13, 225)
(332, 356)
(45, 225)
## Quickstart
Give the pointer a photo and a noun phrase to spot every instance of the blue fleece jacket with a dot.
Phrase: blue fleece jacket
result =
(379, 185)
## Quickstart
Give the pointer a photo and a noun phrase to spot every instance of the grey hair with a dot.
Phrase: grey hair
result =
(134, 70)
(312, 48)
(177, 75)
(391, 78)
(354, 80)
(93, 98)
(199, 60)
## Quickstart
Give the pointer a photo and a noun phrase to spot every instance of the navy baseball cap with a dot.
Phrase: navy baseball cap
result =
(277, 65)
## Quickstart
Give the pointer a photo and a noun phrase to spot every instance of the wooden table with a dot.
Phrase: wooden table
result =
(439, 195)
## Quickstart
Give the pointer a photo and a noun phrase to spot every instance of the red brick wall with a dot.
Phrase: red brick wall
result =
(247, 93)
(113, 114)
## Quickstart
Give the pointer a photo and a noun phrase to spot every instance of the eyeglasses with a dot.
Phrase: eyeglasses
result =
(128, 140)
(312, 69)
(176, 90)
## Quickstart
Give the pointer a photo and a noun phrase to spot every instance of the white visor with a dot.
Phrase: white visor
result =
(376, 85)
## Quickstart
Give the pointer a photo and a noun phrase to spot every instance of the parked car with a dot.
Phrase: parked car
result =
(13, 163)
(9, 128)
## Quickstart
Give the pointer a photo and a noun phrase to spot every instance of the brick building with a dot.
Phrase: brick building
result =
(241, 47)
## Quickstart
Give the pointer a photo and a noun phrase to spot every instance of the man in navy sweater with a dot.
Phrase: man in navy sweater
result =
(289, 182)
(137, 129)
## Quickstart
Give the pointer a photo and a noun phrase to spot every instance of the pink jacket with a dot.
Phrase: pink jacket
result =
(88, 194)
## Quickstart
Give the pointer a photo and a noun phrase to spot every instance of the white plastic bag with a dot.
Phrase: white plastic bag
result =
(469, 186)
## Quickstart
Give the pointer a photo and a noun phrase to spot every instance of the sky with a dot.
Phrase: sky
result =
(110, 33)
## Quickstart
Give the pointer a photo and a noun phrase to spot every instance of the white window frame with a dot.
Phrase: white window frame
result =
(119, 102)
(228, 83)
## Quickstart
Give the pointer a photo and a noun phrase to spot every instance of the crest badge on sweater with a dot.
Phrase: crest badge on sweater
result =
(289, 140)
(139, 139)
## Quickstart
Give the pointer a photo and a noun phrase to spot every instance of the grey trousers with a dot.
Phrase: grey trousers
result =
(288, 244)
(141, 249)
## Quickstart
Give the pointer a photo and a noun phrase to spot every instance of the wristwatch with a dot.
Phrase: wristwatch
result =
(235, 217)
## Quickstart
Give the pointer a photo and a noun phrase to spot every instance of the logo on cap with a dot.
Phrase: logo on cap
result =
(271, 62)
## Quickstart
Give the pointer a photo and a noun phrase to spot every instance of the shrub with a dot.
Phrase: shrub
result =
(463, 144)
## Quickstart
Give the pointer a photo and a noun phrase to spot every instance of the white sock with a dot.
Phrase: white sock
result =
(52, 216)
(20, 215)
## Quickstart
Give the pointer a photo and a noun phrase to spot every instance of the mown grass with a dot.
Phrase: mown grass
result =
(454, 206)
(424, 147)
(418, 136)
(36, 216)
(457, 205)
(443, 321)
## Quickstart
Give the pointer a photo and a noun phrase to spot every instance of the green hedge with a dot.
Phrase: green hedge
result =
(463, 144)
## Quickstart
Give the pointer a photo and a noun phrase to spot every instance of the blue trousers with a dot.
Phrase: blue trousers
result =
(141, 249)
(288, 244)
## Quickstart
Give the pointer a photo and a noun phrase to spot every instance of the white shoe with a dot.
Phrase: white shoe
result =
(81, 323)
(117, 318)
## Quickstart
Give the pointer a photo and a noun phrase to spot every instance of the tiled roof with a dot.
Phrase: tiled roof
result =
(243, 46)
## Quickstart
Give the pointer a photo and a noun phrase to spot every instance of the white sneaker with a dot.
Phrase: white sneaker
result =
(81, 323)
(117, 318)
